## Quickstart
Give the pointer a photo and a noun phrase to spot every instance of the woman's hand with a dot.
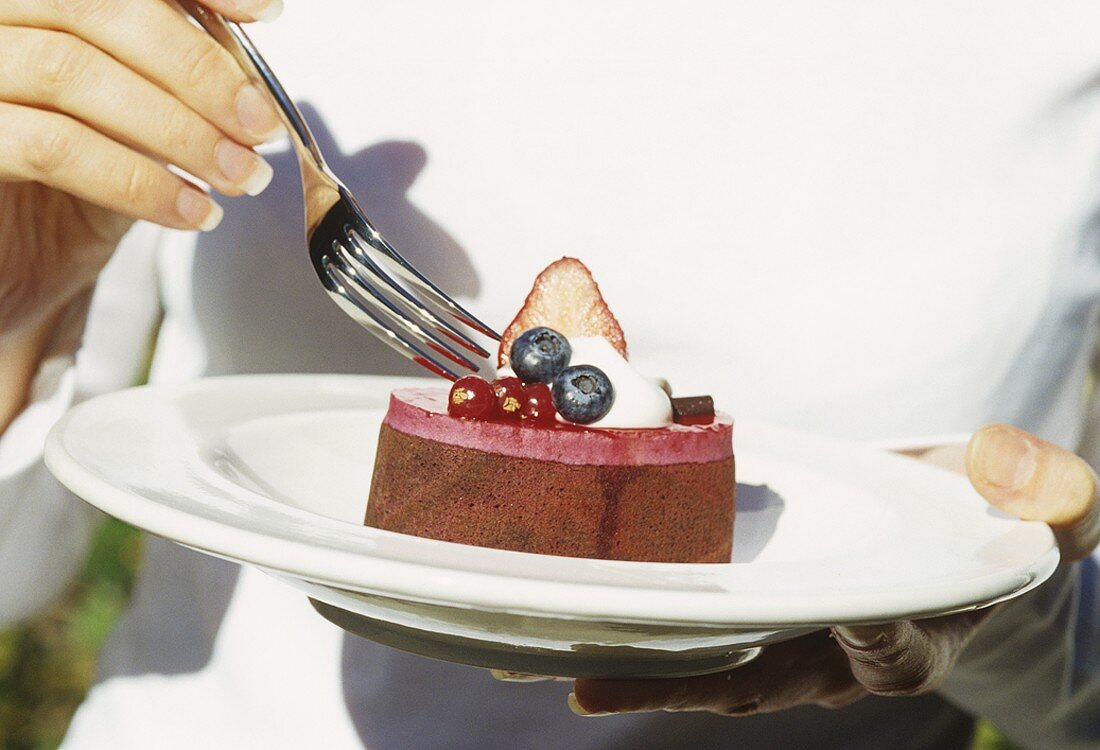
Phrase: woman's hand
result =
(96, 98)
(1013, 471)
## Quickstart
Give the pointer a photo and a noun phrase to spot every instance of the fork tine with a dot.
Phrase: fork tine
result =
(377, 298)
(360, 256)
(397, 263)
(361, 313)
(337, 272)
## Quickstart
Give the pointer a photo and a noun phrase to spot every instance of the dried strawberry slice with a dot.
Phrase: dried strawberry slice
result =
(566, 298)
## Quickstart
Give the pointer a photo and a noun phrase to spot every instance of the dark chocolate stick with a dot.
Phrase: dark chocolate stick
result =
(692, 409)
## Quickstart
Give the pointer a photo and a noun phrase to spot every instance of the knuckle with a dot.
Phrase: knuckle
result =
(58, 61)
(912, 660)
(891, 656)
(83, 11)
(133, 185)
(182, 134)
(202, 60)
(49, 149)
(911, 679)
(890, 650)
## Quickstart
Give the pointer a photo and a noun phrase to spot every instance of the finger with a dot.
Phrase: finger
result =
(1039, 481)
(507, 675)
(58, 151)
(909, 657)
(62, 72)
(161, 45)
(247, 10)
(810, 669)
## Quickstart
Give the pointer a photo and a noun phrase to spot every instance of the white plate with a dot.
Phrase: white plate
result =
(274, 471)
(539, 644)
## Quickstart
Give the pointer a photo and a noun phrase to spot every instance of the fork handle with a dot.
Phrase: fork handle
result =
(230, 35)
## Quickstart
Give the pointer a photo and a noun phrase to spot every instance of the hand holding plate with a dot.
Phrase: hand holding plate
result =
(1015, 472)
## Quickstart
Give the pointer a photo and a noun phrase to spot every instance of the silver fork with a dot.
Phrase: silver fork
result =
(350, 256)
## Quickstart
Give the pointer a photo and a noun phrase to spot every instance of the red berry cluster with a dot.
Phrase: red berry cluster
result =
(502, 400)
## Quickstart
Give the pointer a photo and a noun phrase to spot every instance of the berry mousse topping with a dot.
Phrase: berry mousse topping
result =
(509, 395)
(582, 394)
(693, 410)
(539, 354)
(538, 405)
(566, 299)
(564, 324)
(563, 359)
(472, 398)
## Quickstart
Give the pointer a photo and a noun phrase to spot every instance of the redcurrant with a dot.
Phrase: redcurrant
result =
(509, 393)
(538, 405)
(472, 397)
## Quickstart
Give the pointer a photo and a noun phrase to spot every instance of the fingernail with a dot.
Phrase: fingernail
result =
(257, 114)
(743, 710)
(860, 636)
(261, 10)
(579, 710)
(505, 675)
(1003, 457)
(243, 167)
(198, 210)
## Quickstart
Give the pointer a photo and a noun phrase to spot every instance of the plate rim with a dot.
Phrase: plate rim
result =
(310, 562)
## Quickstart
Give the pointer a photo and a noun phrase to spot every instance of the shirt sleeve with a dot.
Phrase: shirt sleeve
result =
(1033, 668)
(45, 529)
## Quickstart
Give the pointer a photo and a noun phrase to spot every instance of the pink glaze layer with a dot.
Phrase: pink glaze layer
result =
(422, 412)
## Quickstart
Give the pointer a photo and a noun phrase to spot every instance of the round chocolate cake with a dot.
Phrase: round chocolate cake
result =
(662, 494)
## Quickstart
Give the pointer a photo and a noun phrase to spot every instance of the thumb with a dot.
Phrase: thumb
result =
(1037, 481)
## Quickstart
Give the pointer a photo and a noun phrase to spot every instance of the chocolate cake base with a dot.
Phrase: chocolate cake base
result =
(658, 513)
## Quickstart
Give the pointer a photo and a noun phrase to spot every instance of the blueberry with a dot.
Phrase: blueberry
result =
(582, 394)
(539, 354)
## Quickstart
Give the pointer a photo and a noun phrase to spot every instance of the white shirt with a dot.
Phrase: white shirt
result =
(870, 221)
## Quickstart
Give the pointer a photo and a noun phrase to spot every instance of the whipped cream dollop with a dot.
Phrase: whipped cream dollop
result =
(640, 402)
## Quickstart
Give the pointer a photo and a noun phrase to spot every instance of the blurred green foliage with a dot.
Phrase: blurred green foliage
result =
(988, 738)
(47, 664)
